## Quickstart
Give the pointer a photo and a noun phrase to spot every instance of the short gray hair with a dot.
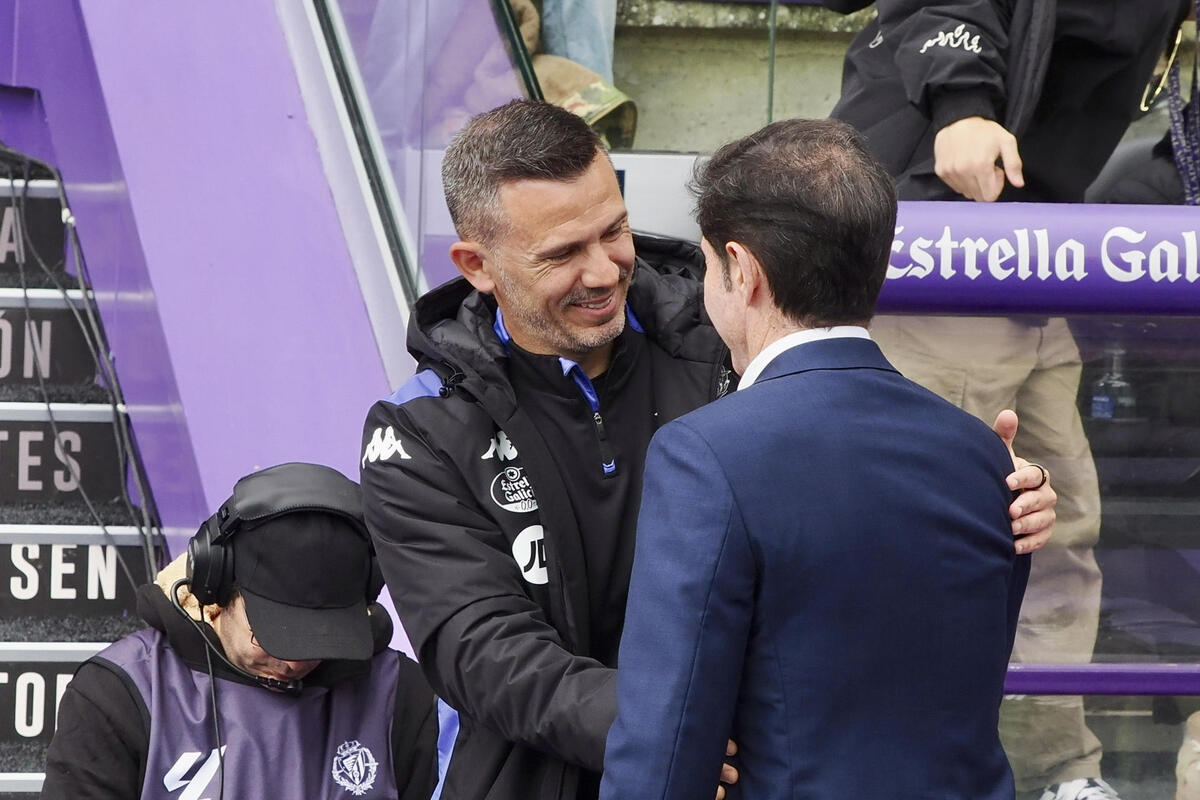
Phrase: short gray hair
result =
(521, 140)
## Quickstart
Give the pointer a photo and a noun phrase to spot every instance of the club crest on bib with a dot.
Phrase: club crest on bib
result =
(354, 768)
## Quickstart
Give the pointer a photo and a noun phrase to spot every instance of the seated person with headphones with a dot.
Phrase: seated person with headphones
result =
(265, 671)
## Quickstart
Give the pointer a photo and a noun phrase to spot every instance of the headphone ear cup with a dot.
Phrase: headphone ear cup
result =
(209, 567)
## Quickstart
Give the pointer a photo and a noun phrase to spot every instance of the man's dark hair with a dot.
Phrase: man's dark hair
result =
(815, 208)
(521, 140)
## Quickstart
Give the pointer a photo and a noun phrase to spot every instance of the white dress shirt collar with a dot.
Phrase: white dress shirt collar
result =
(795, 339)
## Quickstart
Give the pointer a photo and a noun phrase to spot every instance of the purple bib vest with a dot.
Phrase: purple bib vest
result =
(328, 742)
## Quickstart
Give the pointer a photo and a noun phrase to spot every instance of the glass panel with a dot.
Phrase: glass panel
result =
(1142, 742)
(703, 73)
(1111, 406)
(426, 67)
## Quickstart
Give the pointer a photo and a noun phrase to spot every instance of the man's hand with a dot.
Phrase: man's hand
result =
(965, 154)
(729, 775)
(1033, 510)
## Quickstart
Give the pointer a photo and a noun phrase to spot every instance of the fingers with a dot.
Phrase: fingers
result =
(1035, 541)
(1033, 480)
(1005, 427)
(966, 153)
(1032, 512)
(729, 773)
(1014, 168)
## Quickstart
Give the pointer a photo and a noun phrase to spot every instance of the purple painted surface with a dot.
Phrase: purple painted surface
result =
(67, 124)
(240, 332)
(23, 120)
(1028, 258)
(260, 306)
(1121, 679)
(428, 66)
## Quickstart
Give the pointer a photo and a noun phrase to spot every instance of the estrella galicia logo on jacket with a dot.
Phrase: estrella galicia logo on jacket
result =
(512, 491)
(529, 551)
(354, 768)
(383, 446)
(502, 448)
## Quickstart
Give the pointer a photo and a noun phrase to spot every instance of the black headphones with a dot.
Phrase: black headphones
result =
(258, 497)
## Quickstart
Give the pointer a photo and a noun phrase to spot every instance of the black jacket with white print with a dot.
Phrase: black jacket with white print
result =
(1063, 76)
(479, 542)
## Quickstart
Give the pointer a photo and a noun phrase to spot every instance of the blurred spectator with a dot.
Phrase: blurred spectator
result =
(581, 30)
(571, 46)
(1013, 100)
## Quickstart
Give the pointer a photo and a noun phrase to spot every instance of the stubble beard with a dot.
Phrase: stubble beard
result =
(559, 337)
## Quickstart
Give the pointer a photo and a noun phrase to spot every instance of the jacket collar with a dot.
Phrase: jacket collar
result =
(454, 325)
(827, 354)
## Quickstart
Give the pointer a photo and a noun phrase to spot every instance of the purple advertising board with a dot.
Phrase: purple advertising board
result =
(1028, 258)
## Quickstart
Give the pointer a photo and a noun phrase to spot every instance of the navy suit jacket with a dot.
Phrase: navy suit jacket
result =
(824, 572)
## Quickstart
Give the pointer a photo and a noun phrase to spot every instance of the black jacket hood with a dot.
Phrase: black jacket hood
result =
(451, 332)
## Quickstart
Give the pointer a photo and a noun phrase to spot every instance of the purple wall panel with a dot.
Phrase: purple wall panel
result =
(240, 332)
(260, 306)
(70, 128)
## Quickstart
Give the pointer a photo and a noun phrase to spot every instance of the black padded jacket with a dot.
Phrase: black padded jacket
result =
(455, 521)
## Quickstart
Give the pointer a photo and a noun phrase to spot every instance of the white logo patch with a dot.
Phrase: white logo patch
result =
(194, 786)
(383, 445)
(512, 491)
(354, 768)
(878, 40)
(501, 448)
(529, 551)
(955, 38)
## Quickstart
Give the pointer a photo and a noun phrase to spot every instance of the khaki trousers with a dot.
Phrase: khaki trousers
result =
(984, 365)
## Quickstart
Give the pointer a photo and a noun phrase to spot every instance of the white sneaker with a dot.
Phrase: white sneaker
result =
(1080, 789)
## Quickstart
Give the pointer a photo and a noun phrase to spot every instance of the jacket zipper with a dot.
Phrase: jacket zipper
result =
(608, 462)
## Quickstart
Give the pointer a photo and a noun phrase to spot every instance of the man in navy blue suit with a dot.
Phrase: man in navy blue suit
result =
(792, 587)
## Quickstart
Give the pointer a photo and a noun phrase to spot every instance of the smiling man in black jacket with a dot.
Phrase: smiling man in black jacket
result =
(502, 482)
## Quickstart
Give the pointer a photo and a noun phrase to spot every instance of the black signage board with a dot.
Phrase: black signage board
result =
(76, 580)
(29, 695)
(30, 229)
(36, 468)
(42, 340)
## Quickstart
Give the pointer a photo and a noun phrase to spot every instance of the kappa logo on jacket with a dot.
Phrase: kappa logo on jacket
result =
(354, 768)
(529, 551)
(501, 448)
(959, 37)
(195, 786)
(383, 446)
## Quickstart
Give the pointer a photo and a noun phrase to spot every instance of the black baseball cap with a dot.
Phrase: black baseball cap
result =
(304, 578)
(303, 563)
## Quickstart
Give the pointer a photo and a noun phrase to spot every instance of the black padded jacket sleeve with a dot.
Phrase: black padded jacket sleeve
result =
(950, 56)
(414, 734)
(100, 743)
(484, 644)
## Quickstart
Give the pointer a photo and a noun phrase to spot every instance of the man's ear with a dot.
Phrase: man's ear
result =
(470, 258)
(745, 270)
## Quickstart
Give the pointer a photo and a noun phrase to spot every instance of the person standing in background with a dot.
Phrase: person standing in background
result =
(1013, 100)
